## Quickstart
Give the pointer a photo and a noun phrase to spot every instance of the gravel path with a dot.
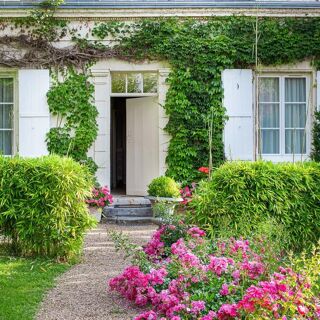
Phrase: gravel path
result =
(81, 292)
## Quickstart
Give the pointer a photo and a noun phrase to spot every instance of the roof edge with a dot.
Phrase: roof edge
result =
(138, 13)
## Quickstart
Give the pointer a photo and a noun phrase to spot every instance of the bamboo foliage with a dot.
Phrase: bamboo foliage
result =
(242, 195)
(42, 205)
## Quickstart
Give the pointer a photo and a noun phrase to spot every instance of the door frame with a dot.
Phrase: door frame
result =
(101, 74)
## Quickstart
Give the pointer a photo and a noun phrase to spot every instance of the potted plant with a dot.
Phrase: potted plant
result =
(166, 190)
(101, 197)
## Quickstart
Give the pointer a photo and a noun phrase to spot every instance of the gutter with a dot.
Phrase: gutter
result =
(264, 4)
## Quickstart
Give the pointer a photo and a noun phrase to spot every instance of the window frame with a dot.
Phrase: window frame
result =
(134, 94)
(282, 155)
(15, 121)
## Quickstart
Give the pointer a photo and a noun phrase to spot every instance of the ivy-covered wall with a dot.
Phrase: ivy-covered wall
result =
(71, 102)
(197, 51)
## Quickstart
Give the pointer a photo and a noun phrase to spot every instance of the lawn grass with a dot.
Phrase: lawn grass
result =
(23, 283)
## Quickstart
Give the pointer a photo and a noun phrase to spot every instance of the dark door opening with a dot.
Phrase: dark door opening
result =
(118, 145)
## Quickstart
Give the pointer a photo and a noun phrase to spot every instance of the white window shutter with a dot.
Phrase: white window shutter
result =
(34, 115)
(239, 129)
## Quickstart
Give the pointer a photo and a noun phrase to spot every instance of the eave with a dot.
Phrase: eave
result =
(138, 13)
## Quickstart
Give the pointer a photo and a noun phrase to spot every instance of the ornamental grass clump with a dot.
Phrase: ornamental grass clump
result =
(42, 205)
(184, 275)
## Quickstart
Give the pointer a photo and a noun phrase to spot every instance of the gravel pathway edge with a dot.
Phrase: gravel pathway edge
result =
(82, 292)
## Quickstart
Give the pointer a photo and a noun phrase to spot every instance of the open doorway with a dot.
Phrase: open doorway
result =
(134, 144)
(118, 145)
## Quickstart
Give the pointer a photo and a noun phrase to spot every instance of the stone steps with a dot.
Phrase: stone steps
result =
(133, 220)
(127, 209)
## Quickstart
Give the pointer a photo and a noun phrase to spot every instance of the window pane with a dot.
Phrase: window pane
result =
(295, 141)
(6, 90)
(6, 116)
(268, 89)
(150, 83)
(295, 89)
(269, 115)
(270, 141)
(6, 142)
(295, 115)
(118, 83)
(134, 83)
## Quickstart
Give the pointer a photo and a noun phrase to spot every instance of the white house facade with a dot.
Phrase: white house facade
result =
(131, 146)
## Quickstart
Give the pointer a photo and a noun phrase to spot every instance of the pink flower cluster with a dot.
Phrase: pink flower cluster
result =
(101, 197)
(155, 247)
(187, 193)
(196, 279)
(284, 289)
(137, 286)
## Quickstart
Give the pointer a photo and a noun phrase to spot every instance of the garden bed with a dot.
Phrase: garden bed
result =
(182, 275)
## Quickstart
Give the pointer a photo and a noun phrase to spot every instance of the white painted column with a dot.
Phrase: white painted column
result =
(100, 151)
(164, 138)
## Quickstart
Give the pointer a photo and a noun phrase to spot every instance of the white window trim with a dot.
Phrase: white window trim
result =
(282, 156)
(133, 94)
(15, 135)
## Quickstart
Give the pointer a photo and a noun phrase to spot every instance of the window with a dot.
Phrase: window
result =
(141, 83)
(6, 116)
(283, 115)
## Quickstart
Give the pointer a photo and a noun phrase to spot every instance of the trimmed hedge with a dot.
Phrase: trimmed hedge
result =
(42, 205)
(242, 195)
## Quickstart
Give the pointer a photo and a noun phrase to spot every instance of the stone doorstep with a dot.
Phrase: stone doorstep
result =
(133, 220)
(129, 219)
(129, 211)
(130, 201)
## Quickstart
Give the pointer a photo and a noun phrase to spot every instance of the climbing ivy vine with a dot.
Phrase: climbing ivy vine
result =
(198, 51)
(70, 101)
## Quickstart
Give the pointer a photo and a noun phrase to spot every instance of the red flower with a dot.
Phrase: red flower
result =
(204, 170)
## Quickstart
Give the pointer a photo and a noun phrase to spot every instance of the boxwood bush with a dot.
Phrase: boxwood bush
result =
(42, 205)
(163, 187)
(242, 195)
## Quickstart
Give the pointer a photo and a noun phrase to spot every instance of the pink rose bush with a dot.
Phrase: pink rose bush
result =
(188, 276)
(101, 197)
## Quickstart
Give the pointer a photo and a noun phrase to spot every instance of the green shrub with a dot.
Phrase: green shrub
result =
(42, 205)
(243, 195)
(164, 187)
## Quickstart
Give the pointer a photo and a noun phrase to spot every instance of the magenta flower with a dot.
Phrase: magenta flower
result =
(219, 265)
(210, 316)
(196, 232)
(227, 311)
(197, 307)
(224, 290)
(101, 197)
